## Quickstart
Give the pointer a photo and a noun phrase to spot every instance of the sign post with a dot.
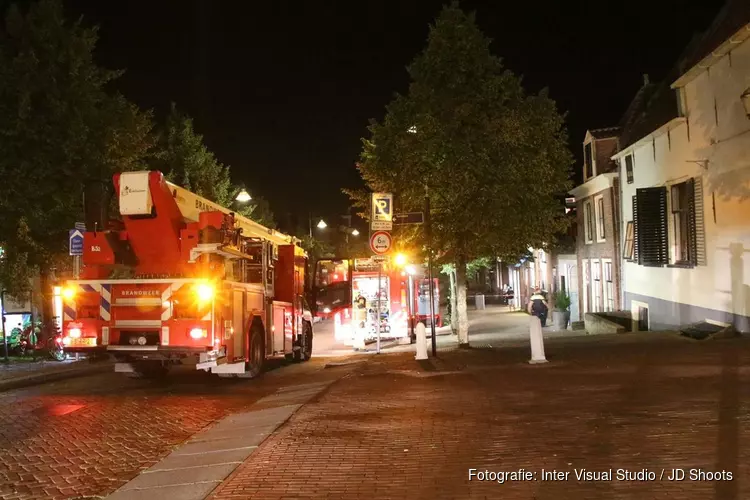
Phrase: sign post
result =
(380, 291)
(75, 241)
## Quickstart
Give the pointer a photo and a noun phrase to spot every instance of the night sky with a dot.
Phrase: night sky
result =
(282, 91)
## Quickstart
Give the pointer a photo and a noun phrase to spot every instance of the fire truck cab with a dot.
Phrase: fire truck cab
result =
(182, 280)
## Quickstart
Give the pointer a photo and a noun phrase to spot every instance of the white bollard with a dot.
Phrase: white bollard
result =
(421, 334)
(358, 341)
(537, 341)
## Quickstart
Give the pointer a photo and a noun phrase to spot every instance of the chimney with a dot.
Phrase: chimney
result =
(645, 79)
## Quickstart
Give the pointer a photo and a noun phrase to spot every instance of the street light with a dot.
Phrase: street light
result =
(355, 232)
(243, 196)
(322, 224)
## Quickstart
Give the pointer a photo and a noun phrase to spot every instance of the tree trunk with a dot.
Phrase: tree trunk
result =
(454, 313)
(462, 313)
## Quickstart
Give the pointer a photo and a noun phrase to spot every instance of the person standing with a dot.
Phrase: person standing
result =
(538, 306)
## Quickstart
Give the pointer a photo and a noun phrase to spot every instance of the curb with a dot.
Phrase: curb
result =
(52, 376)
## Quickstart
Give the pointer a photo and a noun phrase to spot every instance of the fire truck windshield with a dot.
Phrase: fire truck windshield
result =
(332, 285)
(329, 272)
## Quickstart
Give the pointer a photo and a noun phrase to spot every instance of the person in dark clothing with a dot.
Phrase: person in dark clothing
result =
(538, 306)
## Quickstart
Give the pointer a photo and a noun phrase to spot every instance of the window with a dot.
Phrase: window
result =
(596, 286)
(627, 251)
(589, 223)
(609, 288)
(669, 233)
(588, 162)
(629, 168)
(683, 230)
(599, 210)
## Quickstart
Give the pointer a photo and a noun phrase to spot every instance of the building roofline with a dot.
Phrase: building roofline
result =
(713, 57)
(674, 122)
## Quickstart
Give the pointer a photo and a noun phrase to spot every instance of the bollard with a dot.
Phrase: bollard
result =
(421, 332)
(537, 341)
(358, 342)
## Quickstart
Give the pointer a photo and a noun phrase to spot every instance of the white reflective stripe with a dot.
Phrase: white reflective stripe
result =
(105, 335)
(106, 298)
(166, 308)
(125, 323)
(138, 302)
(164, 335)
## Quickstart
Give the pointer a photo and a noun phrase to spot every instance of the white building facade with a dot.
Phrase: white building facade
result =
(685, 199)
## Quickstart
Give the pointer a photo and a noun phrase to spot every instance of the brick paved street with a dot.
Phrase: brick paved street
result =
(638, 401)
(89, 436)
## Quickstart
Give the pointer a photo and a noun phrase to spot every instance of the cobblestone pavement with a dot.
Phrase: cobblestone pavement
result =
(638, 402)
(90, 435)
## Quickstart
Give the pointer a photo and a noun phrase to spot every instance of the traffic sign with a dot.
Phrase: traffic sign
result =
(80, 226)
(380, 242)
(381, 225)
(75, 240)
(382, 212)
(409, 218)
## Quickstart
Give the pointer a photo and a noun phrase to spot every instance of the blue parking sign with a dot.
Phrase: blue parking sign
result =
(382, 206)
(75, 240)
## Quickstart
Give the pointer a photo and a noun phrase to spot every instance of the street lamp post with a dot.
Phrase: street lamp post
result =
(428, 235)
(242, 197)
(320, 225)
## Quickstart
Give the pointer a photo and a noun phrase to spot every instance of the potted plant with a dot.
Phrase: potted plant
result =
(561, 311)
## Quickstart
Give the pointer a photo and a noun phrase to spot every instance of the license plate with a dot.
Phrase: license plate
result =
(84, 342)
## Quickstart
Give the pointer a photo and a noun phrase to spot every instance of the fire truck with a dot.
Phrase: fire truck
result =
(347, 290)
(182, 280)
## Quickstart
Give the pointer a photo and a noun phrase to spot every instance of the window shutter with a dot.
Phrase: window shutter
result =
(698, 250)
(636, 255)
(653, 248)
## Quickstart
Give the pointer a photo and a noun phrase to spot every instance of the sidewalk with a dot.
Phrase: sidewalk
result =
(493, 326)
(23, 372)
(643, 403)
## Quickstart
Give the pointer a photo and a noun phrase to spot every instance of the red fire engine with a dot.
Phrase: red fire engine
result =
(181, 279)
(347, 291)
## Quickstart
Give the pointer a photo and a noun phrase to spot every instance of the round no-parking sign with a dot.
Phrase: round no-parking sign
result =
(380, 242)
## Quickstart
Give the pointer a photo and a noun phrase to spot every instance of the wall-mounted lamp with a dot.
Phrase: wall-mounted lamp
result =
(745, 98)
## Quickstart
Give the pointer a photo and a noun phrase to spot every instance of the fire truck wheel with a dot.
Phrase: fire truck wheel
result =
(305, 351)
(257, 353)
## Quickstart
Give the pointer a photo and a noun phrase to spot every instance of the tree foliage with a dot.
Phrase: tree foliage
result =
(59, 126)
(491, 156)
(183, 156)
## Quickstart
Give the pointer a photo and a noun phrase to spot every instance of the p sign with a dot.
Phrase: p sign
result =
(380, 242)
(382, 207)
